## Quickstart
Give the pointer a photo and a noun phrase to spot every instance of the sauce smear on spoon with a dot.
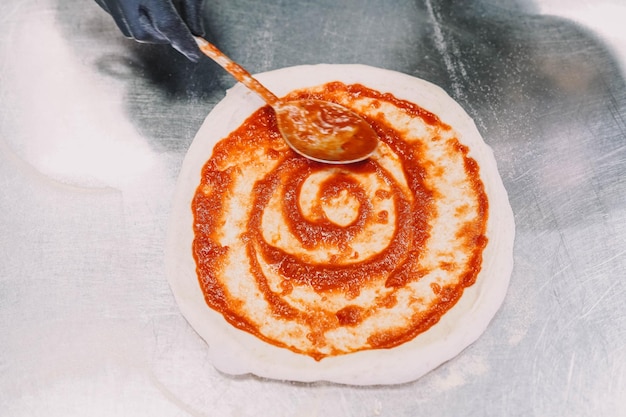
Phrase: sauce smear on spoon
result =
(319, 130)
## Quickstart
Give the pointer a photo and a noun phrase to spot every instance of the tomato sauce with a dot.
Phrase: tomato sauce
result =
(398, 261)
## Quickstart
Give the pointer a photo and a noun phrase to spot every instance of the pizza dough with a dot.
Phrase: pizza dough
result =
(374, 273)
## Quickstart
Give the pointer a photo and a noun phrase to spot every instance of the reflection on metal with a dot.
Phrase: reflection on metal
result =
(93, 128)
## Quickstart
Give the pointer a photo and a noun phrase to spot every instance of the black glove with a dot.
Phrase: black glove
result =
(160, 21)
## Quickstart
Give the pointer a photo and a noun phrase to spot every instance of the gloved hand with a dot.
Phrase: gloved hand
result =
(160, 21)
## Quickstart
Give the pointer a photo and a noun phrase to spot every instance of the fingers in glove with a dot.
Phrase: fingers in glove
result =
(156, 21)
(113, 8)
(170, 26)
(191, 13)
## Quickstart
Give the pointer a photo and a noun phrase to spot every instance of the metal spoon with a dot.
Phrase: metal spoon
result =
(319, 130)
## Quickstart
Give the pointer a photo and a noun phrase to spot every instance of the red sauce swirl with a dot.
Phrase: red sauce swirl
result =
(393, 267)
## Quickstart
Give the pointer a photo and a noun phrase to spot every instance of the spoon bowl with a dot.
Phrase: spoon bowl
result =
(325, 131)
(320, 130)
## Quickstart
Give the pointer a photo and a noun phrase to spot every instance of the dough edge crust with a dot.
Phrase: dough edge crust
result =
(236, 352)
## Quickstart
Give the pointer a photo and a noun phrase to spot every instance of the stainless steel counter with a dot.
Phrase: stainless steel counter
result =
(93, 130)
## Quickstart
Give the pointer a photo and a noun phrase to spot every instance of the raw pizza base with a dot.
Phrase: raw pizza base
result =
(237, 352)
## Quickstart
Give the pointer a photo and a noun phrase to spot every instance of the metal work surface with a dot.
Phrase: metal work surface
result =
(93, 131)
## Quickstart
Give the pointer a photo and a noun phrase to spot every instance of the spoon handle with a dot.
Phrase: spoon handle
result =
(237, 71)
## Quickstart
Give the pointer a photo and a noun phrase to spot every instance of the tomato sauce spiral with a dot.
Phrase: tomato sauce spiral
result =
(327, 260)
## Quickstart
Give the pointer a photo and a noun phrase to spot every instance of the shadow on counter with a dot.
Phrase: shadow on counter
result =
(546, 93)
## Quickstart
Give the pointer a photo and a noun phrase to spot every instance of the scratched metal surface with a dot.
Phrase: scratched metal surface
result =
(93, 130)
